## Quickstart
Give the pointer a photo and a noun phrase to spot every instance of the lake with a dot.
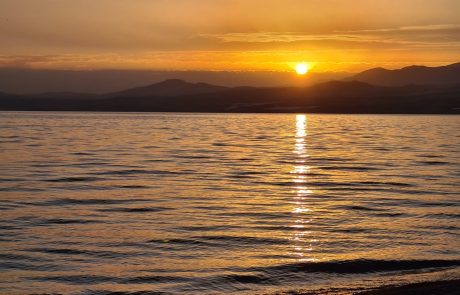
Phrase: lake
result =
(94, 203)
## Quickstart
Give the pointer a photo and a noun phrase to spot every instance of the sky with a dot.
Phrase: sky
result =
(226, 35)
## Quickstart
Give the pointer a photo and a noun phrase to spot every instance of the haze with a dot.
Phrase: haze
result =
(227, 35)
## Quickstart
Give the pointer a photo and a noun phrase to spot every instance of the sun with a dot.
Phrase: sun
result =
(301, 68)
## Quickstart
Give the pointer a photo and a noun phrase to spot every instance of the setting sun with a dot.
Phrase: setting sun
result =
(301, 68)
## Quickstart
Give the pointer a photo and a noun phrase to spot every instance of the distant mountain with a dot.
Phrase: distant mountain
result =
(181, 96)
(420, 75)
(170, 87)
(64, 95)
(5, 95)
(32, 81)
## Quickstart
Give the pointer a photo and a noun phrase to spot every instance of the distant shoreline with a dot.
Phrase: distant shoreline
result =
(334, 97)
(457, 112)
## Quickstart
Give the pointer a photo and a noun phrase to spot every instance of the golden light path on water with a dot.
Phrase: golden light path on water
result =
(302, 245)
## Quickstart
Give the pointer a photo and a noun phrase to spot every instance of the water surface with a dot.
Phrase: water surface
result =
(226, 203)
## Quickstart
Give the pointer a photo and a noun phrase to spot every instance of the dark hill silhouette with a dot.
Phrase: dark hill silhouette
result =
(422, 75)
(170, 87)
(328, 97)
(341, 88)
(31, 81)
(65, 95)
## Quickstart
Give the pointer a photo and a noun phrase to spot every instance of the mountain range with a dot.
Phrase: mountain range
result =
(170, 87)
(444, 75)
(413, 89)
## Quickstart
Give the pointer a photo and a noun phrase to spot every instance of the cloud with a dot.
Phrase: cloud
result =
(438, 35)
(221, 34)
(435, 27)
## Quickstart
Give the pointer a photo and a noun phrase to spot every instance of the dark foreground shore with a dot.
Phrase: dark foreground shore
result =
(449, 287)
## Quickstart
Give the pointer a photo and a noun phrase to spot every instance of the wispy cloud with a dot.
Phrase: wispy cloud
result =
(445, 35)
(230, 35)
(435, 27)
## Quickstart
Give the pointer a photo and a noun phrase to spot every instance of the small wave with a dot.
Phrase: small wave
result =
(8, 227)
(443, 227)
(96, 279)
(11, 179)
(17, 265)
(350, 168)
(135, 210)
(339, 185)
(220, 241)
(84, 252)
(281, 228)
(73, 179)
(207, 228)
(431, 156)
(374, 211)
(354, 230)
(443, 215)
(91, 164)
(193, 157)
(274, 275)
(71, 201)
(359, 208)
(383, 183)
(176, 241)
(82, 154)
(328, 159)
(136, 171)
(390, 214)
(18, 257)
(259, 215)
(211, 208)
(76, 279)
(245, 279)
(360, 266)
(20, 189)
(431, 163)
(106, 292)
(421, 203)
(65, 221)
(244, 240)
(134, 186)
(32, 221)
(152, 279)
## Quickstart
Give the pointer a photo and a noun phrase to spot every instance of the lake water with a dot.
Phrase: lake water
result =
(94, 203)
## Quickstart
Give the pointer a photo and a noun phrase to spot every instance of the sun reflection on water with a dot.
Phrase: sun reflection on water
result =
(301, 244)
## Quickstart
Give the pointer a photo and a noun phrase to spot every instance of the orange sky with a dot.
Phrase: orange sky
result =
(269, 35)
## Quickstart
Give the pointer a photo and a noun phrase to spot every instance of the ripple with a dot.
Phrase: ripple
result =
(218, 203)
(135, 210)
(137, 171)
(361, 266)
(80, 252)
(73, 179)
(89, 201)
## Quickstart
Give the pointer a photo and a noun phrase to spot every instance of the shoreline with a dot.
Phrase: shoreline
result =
(445, 287)
(300, 111)
(441, 287)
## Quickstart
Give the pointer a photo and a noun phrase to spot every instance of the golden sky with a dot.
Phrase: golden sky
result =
(226, 35)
